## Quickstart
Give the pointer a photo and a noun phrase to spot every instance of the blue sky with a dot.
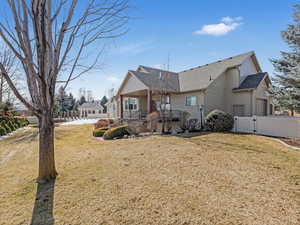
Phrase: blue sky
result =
(193, 33)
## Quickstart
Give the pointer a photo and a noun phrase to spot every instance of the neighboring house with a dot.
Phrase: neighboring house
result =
(91, 110)
(112, 107)
(235, 85)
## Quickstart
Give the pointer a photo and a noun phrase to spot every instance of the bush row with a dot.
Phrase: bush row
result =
(8, 125)
(110, 133)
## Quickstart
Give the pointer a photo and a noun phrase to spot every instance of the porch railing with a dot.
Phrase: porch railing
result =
(135, 114)
(140, 114)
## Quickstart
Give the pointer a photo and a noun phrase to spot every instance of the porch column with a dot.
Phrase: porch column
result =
(149, 101)
(121, 105)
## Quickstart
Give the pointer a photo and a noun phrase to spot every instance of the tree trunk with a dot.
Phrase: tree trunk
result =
(293, 112)
(47, 169)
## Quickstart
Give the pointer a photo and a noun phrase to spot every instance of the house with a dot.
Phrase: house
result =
(112, 108)
(91, 110)
(236, 85)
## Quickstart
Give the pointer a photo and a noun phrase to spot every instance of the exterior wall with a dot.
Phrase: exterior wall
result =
(243, 98)
(236, 98)
(112, 109)
(215, 97)
(247, 68)
(178, 102)
(142, 102)
(261, 94)
(219, 94)
(132, 85)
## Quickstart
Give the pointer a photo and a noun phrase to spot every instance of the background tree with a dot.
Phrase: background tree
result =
(287, 80)
(65, 102)
(82, 100)
(9, 61)
(103, 101)
(49, 39)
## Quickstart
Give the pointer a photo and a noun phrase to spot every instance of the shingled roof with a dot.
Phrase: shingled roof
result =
(202, 76)
(251, 81)
(158, 79)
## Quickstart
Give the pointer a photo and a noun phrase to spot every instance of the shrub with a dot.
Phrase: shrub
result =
(17, 122)
(101, 123)
(184, 120)
(219, 121)
(99, 132)
(6, 127)
(11, 125)
(24, 122)
(2, 131)
(116, 132)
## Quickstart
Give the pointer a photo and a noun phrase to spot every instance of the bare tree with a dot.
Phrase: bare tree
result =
(50, 38)
(9, 61)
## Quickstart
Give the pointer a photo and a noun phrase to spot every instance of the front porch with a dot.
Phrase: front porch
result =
(147, 101)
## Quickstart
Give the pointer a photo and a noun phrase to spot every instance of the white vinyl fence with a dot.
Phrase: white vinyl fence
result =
(277, 126)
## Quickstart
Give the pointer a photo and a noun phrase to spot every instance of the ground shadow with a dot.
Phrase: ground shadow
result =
(43, 207)
(192, 134)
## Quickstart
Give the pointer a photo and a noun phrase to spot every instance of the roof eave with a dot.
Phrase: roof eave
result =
(243, 90)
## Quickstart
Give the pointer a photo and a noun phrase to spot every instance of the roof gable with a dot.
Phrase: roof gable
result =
(159, 79)
(131, 84)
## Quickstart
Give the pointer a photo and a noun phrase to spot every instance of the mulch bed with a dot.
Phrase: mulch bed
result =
(292, 141)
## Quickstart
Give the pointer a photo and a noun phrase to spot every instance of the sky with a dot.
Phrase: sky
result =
(190, 33)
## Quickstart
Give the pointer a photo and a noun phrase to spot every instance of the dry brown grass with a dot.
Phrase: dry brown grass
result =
(212, 179)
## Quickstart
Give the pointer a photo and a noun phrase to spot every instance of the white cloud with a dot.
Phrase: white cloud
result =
(113, 79)
(227, 24)
(227, 19)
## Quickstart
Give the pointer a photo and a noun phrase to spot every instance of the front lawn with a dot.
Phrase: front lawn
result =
(213, 179)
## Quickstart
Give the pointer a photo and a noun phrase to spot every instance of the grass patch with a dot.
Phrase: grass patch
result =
(215, 178)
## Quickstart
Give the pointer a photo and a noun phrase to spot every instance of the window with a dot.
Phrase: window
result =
(131, 104)
(93, 111)
(239, 110)
(191, 100)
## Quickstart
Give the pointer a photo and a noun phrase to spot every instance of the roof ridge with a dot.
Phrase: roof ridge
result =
(156, 69)
(218, 61)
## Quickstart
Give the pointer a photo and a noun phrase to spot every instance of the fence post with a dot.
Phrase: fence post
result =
(254, 119)
(235, 124)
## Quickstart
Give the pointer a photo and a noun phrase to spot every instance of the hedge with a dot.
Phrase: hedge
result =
(2, 131)
(99, 132)
(117, 132)
(8, 125)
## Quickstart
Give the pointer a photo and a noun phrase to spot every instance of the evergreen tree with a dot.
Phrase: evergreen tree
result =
(82, 100)
(103, 101)
(65, 102)
(287, 80)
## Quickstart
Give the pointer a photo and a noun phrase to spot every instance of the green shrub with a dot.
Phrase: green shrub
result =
(116, 132)
(6, 127)
(99, 132)
(2, 131)
(11, 125)
(17, 122)
(219, 121)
